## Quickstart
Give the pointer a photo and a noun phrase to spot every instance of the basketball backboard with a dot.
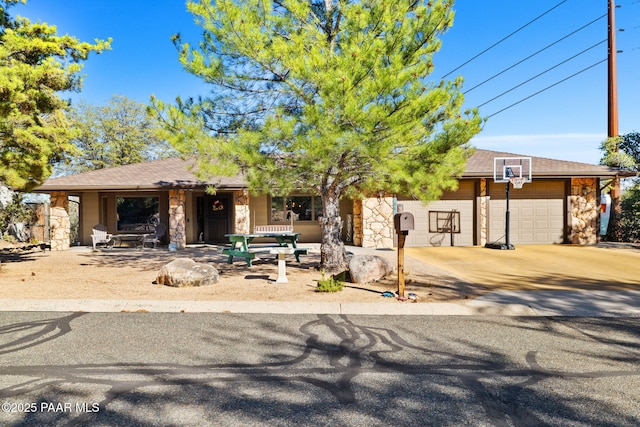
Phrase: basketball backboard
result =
(505, 168)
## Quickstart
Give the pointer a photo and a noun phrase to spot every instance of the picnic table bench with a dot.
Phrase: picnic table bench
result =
(240, 245)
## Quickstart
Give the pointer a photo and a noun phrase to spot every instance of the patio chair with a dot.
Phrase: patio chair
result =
(156, 237)
(101, 237)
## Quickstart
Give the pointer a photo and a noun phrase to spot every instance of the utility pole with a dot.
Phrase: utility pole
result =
(616, 208)
(612, 77)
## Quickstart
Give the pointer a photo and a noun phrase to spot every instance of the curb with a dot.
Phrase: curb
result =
(264, 307)
(498, 303)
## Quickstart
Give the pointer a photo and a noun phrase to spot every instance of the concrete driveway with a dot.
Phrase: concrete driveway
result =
(540, 267)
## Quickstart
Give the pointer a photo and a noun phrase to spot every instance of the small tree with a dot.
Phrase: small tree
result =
(14, 212)
(630, 145)
(330, 97)
(35, 64)
(615, 154)
(623, 152)
(119, 133)
(630, 216)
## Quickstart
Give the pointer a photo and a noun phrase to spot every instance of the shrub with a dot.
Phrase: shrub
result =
(16, 211)
(630, 219)
(329, 284)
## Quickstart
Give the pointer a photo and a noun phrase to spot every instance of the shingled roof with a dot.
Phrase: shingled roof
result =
(480, 165)
(178, 173)
(154, 175)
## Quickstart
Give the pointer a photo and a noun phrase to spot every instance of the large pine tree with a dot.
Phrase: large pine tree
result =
(35, 65)
(327, 96)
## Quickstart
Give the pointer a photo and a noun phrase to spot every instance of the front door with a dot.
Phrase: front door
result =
(217, 218)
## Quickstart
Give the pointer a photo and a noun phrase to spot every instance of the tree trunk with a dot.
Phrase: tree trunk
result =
(333, 258)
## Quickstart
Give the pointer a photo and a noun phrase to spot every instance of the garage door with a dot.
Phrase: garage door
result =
(452, 207)
(537, 213)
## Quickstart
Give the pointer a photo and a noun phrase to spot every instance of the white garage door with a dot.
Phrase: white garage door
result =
(459, 203)
(536, 212)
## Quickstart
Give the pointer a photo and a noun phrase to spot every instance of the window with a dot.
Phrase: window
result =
(137, 213)
(296, 208)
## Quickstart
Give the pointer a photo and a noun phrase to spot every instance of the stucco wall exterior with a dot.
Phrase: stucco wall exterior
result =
(372, 216)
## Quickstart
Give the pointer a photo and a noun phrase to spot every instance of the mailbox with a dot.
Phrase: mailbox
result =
(403, 222)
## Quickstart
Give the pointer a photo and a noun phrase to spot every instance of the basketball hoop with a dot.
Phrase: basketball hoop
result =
(518, 182)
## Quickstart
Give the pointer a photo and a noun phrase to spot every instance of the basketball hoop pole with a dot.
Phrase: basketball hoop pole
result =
(507, 219)
(515, 171)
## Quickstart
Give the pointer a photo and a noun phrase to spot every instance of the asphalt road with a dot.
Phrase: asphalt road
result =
(161, 369)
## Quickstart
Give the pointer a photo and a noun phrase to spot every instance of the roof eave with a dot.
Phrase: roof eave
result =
(94, 188)
(551, 175)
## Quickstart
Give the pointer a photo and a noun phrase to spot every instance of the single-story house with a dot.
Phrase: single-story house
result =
(560, 205)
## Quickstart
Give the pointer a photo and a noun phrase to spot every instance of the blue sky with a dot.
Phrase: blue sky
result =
(567, 121)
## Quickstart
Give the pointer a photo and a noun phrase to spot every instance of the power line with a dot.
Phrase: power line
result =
(547, 88)
(503, 39)
(540, 74)
(536, 53)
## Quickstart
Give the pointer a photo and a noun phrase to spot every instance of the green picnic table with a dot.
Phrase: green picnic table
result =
(241, 245)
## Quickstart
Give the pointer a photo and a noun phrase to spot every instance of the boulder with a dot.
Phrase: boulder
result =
(369, 268)
(18, 231)
(6, 196)
(185, 272)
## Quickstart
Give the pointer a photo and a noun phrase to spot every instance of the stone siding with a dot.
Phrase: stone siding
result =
(59, 222)
(584, 210)
(241, 211)
(357, 222)
(376, 222)
(177, 219)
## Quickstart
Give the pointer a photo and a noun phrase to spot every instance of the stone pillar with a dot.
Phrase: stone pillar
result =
(483, 213)
(242, 223)
(177, 223)
(59, 222)
(584, 209)
(377, 222)
(357, 222)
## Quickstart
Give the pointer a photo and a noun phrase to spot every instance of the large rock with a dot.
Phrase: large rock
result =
(369, 268)
(6, 196)
(185, 272)
(18, 231)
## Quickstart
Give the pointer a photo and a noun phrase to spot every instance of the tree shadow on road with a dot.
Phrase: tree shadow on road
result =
(338, 370)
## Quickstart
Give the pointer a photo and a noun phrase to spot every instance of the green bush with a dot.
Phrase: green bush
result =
(15, 212)
(329, 284)
(630, 219)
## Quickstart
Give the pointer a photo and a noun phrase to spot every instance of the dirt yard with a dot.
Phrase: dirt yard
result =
(130, 274)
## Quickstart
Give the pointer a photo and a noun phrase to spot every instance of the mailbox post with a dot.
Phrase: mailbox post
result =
(403, 222)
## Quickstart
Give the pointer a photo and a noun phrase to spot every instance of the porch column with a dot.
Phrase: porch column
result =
(584, 210)
(59, 222)
(177, 223)
(357, 222)
(242, 224)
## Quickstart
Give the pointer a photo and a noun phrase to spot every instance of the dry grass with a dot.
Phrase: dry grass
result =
(130, 274)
